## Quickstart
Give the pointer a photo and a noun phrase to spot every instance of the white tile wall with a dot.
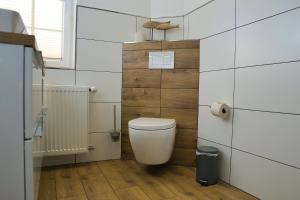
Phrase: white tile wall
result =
(135, 7)
(213, 18)
(173, 34)
(271, 135)
(99, 55)
(108, 85)
(214, 128)
(249, 11)
(190, 5)
(166, 8)
(139, 25)
(101, 117)
(270, 88)
(99, 64)
(103, 25)
(217, 52)
(60, 77)
(272, 40)
(216, 86)
(263, 178)
(225, 153)
(105, 148)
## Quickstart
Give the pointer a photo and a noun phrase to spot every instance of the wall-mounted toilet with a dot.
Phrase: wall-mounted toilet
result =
(152, 139)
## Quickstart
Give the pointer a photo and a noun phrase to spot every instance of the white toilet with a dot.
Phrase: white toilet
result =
(152, 139)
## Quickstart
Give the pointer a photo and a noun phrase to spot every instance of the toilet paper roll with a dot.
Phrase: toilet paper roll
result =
(220, 110)
(139, 37)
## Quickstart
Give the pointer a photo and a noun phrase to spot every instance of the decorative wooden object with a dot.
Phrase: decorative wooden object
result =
(153, 24)
(166, 27)
(162, 93)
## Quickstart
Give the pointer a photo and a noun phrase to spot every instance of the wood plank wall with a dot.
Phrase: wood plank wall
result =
(162, 93)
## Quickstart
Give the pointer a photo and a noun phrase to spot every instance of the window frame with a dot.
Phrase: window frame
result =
(68, 38)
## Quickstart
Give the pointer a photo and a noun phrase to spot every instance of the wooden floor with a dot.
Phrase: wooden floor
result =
(127, 180)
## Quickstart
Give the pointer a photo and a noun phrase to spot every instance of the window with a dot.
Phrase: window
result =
(53, 24)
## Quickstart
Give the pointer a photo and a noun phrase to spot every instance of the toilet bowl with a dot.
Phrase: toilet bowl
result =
(152, 139)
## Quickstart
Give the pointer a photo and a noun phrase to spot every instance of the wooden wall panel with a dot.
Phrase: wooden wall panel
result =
(186, 138)
(143, 97)
(186, 58)
(135, 59)
(179, 98)
(180, 78)
(152, 45)
(162, 93)
(126, 150)
(181, 44)
(141, 78)
(185, 118)
(182, 156)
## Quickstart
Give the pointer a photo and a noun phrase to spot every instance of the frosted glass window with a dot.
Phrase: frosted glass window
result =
(50, 42)
(49, 14)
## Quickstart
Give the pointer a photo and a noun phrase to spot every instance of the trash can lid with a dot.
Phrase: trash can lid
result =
(207, 149)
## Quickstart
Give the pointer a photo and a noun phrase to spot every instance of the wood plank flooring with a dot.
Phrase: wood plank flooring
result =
(128, 180)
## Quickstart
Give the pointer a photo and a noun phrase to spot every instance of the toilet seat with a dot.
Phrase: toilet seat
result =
(151, 124)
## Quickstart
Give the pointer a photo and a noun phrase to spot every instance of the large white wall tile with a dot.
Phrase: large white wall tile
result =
(271, 135)
(190, 5)
(276, 39)
(98, 55)
(103, 25)
(108, 85)
(101, 117)
(139, 25)
(59, 77)
(225, 153)
(212, 18)
(173, 34)
(269, 88)
(263, 178)
(216, 86)
(166, 8)
(249, 11)
(105, 148)
(136, 7)
(217, 52)
(214, 128)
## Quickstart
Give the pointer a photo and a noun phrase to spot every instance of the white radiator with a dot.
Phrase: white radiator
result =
(66, 127)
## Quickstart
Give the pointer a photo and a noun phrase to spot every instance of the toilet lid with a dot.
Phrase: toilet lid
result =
(145, 123)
